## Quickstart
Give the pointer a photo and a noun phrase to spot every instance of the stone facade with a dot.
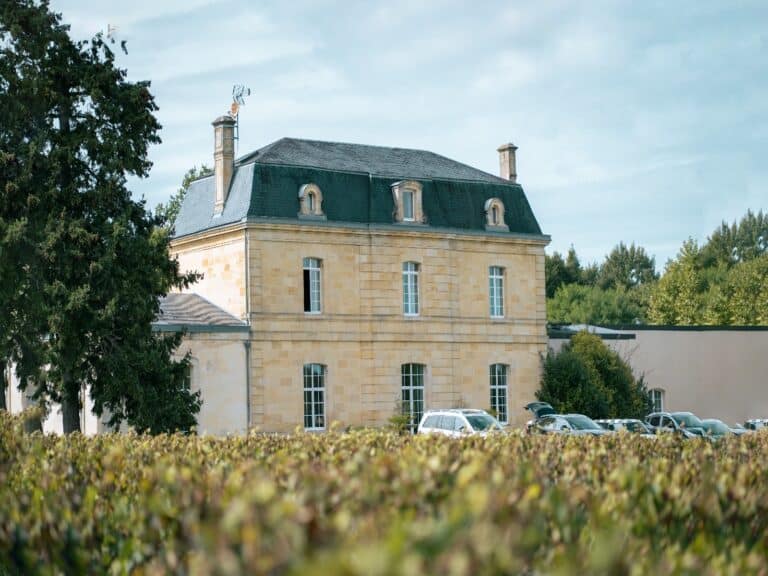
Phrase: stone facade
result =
(254, 271)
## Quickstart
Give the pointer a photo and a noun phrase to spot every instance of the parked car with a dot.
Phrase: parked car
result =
(756, 424)
(457, 422)
(546, 421)
(715, 428)
(738, 429)
(631, 425)
(686, 424)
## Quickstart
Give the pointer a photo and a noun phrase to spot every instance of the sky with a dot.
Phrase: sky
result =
(642, 122)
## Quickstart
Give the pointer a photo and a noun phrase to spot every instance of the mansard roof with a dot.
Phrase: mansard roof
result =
(356, 183)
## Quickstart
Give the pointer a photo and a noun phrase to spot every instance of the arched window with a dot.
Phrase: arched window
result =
(411, 288)
(311, 201)
(494, 215)
(499, 393)
(314, 397)
(657, 399)
(412, 392)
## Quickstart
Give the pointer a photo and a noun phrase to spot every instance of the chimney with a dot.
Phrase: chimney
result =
(223, 158)
(507, 162)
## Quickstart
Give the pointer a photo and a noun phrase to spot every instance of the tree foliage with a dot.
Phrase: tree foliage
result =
(88, 262)
(589, 378)
(576, 304)
(627, 267)
(170, 211)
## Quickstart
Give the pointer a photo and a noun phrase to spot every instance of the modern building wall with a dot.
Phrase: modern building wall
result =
(713, 372)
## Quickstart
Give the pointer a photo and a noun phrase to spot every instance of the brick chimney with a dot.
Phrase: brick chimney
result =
(508, 162)
(223, 158)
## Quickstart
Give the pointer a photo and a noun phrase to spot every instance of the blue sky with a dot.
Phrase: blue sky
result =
(640, 122)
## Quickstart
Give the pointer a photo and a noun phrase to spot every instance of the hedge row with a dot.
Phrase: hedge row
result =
(371, 502)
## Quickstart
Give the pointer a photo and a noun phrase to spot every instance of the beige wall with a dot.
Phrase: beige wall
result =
(713, 373)
(219, 372)
(362, 335)
(220, 258)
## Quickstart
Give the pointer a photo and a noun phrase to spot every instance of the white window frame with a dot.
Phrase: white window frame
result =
(408, 206)
(496, 291)
(411, 288)
(657, 398)
(498, 380)
(411, 385)
(314, 397)
(315, 268)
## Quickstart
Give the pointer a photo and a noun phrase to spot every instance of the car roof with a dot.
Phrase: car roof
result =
(617, 420)
(467, 411)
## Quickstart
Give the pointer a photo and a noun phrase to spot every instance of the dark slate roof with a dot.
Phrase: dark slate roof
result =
(356, 183)
(190, 310)
(400, 163)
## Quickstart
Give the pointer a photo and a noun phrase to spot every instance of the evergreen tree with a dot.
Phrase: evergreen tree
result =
(627, 267)
(589, 378)
(91, 262)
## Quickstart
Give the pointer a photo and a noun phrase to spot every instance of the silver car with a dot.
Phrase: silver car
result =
(457, 422)
(546, 421)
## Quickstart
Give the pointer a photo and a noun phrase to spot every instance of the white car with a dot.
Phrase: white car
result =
(457, 422)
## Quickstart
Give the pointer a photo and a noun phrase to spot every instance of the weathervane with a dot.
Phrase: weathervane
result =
(239, 92)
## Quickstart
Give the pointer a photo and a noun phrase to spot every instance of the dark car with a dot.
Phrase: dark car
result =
(546, 421)
(687, 424)
(715, 428)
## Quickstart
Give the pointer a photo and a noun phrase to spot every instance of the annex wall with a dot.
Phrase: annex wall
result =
(713, 372)
(220, 257)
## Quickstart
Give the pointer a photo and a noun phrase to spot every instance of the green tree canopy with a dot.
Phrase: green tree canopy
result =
(90, 262)
(587, 377)
(575, 304)
(627, 267)
(737, 242)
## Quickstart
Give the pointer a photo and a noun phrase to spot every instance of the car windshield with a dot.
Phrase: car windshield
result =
(688, 420)
(480, 422)
(716, 427)
(580, 422)
(636, 427)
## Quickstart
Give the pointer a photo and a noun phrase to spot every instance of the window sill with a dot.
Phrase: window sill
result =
(319, 313)
(411, 315)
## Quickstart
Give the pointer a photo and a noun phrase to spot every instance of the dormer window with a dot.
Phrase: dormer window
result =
(311, 202)
(407, 198)
(408, 205)
(494, 215)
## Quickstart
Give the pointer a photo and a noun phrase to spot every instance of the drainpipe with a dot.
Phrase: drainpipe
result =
(247, 346)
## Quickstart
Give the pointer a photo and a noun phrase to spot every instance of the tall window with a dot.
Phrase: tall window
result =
(411, 288)
(314, 397)
(412, 386)
(312, 267)
(408, 205)
(311, 202)
(496, 291)
(657, 398)
(499, 391)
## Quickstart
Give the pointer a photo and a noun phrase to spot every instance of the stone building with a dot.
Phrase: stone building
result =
(371, 280)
